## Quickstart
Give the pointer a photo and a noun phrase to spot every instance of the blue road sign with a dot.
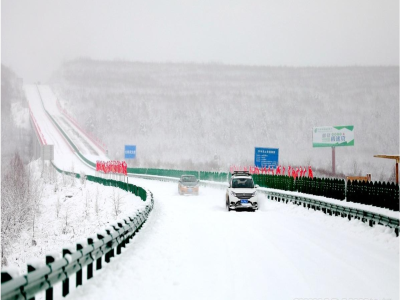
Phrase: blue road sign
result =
(265, 157)
(130, 151)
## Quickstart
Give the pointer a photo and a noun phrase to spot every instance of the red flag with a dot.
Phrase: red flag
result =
(278, 170)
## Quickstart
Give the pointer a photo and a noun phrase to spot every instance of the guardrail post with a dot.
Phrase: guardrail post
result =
(126, 240)
(108, 254)
(122, 239)
(65, 283)
(30, 269)
(98, 261)
(49, 292)
(79, 274)
(90, 266)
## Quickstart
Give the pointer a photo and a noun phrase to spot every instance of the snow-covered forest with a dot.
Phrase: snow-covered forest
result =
(43, 211)
(209, 116)
(20, 193)
(15, 126)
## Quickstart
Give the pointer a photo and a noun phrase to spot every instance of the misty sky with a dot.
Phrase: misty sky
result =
(38, 35)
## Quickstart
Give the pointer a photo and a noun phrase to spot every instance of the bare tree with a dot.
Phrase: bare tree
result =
(82, 178)
(96, 204)
(64, 179)
(58, 206)
(35, 193)
(56, 185)
(65, 224)
(116, 198)
(72, 175)
(87, 204)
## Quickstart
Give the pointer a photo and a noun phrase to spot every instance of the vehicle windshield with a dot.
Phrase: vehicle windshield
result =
(239, 183)
(189, 179)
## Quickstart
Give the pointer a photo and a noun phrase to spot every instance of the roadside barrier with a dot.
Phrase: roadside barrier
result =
(336, 210)
(380, 194)
(59, 267)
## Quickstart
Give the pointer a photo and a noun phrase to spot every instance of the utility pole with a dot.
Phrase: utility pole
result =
(333, 161)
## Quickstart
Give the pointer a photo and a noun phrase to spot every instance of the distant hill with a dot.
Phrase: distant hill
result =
(208, 116)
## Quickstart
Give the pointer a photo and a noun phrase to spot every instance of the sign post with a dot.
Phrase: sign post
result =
(266, 157)
(333, 136)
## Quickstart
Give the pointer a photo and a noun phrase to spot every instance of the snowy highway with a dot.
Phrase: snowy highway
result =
(192, 248)
(64, 156)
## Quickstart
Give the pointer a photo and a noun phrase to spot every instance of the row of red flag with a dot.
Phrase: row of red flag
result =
(297, 172)
(112, 166)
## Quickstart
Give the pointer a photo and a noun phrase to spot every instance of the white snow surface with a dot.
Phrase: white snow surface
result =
(192, 248)
(77, 217)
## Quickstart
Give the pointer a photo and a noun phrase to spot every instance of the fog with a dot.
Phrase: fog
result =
(37, 36)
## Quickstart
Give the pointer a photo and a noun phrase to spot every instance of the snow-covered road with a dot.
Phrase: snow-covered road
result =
(64, 156)
(192, 248)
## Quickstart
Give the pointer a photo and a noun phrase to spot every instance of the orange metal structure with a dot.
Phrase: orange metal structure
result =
(360, 178)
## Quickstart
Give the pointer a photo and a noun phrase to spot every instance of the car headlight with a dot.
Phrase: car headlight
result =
(233, 193)
(254, 194)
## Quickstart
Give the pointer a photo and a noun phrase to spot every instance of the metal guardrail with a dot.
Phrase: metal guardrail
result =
(337, 210)
(58, 268)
